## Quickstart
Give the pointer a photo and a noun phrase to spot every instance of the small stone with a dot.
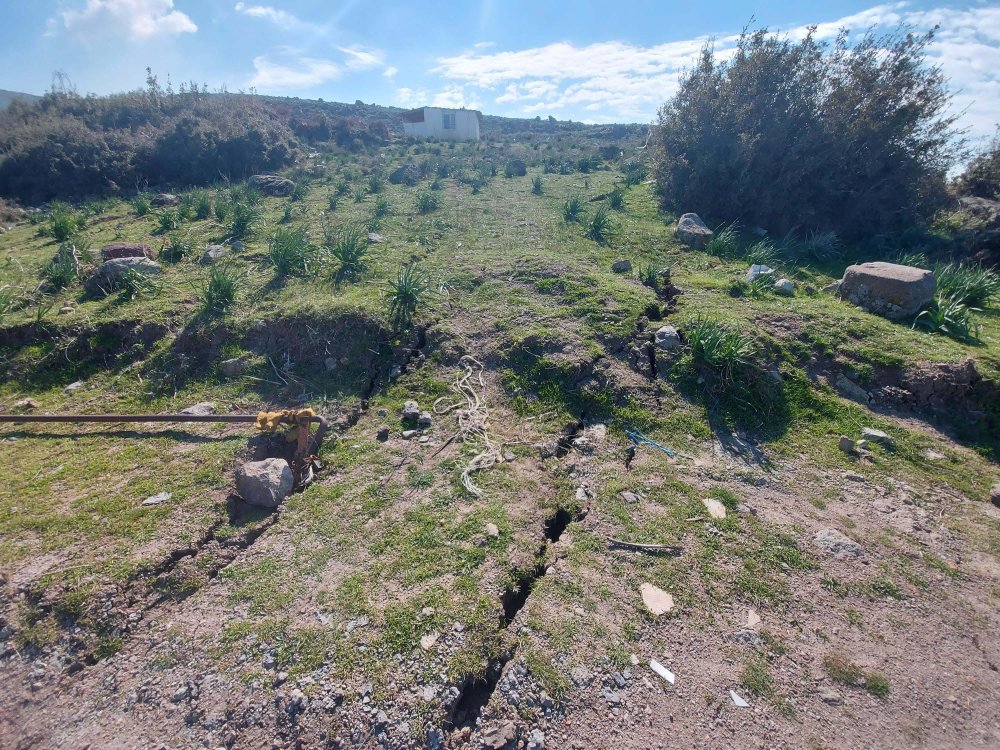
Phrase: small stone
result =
(619, 679)
(784, 287)
(180, 693)
(233, 368)
(622, 266)
(427, 612)
(714, 507)
(657, 600)
(499, 737)
(66, 309)
(630, 497)
(238, 246)
(27, 404)
(753, 619)
(212, 254)
(633, 660)
(265, 483)
(853, 476)
(376, 238)
(692, 231)
(492, 530)
(268, 662)
(411, 411)
(202, 409)
(383, 434)
(847, 445)
(428, 641)
(425, 420)
(73, 387)
(159, 497)
(667, 338)
(408, 434)
(877, 436)
(830, 697)
(758, 269)
(582, 495)
(838, 544)
(536, 740)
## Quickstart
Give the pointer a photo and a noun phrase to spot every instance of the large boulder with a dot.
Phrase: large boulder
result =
(888, 289)
(126, 250)
(271, 184)
(109, 274)
(691, 230)
(163, 200)
(264, 483)
(408, 174)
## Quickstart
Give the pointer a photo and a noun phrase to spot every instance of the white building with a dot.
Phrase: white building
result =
(447, 124)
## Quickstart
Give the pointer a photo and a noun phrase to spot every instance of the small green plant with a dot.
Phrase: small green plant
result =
(616, 199)
(348, 247)
(842, 670)
(62, 270)
(244, 220)
(221, 211)
(287, 214)
(822, 246)
(970, 285)
(359, 195)
(725, 243)
(650, 276)
(572, 209)
(376, 183)
(428, 202)
(599, 228)
(62, 222)
(141, 204)
(132, 285)
(219, 289)
(202, 205)
(168, 219)
(756, 678)
(913, 258)
(175, 249)
(334, 201)
(10, 300)
(342, 188)
(762, 253)
(436, 184)
(382, 207)
(536, 185)
(299, 192)
(290, 251)
(635, 172)
(950, 318)
(761, 287)
(718, 347)
(405, 294)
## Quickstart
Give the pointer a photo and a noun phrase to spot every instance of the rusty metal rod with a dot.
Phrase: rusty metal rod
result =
(137, 418)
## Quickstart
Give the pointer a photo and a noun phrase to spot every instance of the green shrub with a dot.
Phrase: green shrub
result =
(342, 188)
(599, 227)
(131, 285)
(572, 208)
(334, 201)
(291, 252)
(725, 242)
(175, 249)
(970, 285)
(245, 220)
(62, 222)
(635, 172)
(376, 183)
(62, 270)
(359, 195)
(536, 185)
(405, 294)
(219, 289)
(168, 219)
(382, 207)
(141, 204)
(202, 205)
(982, 175)
(719, 348)
(221, 211)
(762, 253)
(348, 247)
(616, 199)
(786, 133)
(300, 191)
(950, 318)
(428, 202)
(822, 246)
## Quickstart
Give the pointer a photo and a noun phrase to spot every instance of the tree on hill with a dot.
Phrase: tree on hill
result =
(809, 135)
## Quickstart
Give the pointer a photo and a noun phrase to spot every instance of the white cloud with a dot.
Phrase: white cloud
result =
(359, 58)
(626, 81)
(135, 19)
(302, 73)
(280, 18)
(456, 97)
(390, 72)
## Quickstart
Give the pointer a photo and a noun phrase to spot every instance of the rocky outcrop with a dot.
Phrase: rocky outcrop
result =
(888, 289)
(408, 174)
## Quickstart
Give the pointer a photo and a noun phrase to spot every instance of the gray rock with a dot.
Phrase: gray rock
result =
(238, 246)
(619, 679)
(838, 544)
(492, 530)
(407, 434)
(157, 499)
(411, 411)
(164, 199)
(877, 436)
(74, 386)
(408, 174)
(375, 237)
(630, 497)
(888, 289)
(846, 444)
(233, 368)
(271, 184)
(581, 676)
(201, 409)
(784, 287)
(758, 269)
(691, 230)
(383, 434)
(425, 420)
(622, 266)
(995, 494)
(214, 253)
(667, 338)
(126, 250)
(833, 288)
(849, 389)
(536, 740)
(264, 483)
(109, 274)
(830, 697)
(435, 738)
(499, 737)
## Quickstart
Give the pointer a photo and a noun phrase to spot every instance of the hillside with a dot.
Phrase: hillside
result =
(588, 494)
(6, 97)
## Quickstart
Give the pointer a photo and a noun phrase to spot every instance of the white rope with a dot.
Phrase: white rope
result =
(473, 418)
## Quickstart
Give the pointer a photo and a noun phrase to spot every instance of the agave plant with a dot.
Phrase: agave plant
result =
(572, 209)
(949, 317)
(599, 228)
(405, 294)
(348, 247)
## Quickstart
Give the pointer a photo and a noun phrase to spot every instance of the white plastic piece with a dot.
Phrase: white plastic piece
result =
(661, 670)
(737, 700)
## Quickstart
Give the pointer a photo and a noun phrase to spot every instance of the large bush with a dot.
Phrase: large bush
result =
(982, 175)
(809, 135)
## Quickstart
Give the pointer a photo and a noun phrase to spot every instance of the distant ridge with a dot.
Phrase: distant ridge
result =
(6, 97)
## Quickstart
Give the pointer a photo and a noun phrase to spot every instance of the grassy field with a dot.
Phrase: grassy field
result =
(381, 587)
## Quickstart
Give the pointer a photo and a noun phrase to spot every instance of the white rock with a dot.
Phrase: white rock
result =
(428, 641)
(264, 483)
(758, 269)
(667, 338)
(492, 530)
(837, 543)
(202, 409)
(715, 508)
(657, 600)
(159, 497)
(784, 287)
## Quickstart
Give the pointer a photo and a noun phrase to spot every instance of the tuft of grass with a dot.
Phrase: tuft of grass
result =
(299, 192)
(133, 285)
(599, 228)
(141, 204)
(246, 218)
(334, 201)
(843, 670)
(718, 347)
(221, 211)
(572, 209)
(616, 199)
(219, 290)
(428, 202)
(536, 185)
(348, 247)
(62, 222)
(970, 285)
(762, 253)
(822, 246)
(949, 317)
(290, 251)
(756, 678)
(376, 183)
(168, 219)
(725, 242)
(202, 205)
(359, 195)
(62, 270)
(405, 293)
(176, 249)
(382, 208)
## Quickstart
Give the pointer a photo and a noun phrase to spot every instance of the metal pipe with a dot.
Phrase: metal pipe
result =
(137, 418)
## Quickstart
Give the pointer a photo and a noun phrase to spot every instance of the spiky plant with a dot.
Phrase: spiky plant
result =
(132, 285)
(348, 248)
(616, 199)
(219, 289)
(62, 222)
(725, 242)
(382, 207)
(405, 294)
(169, 220)
(599, 227)
(949, 317)
(428, 202)
(536, 185)
(718, 347)
(572, 209)
(175, 249)
(141, 204)
(291, 252)
(970, 284)
(245, 220)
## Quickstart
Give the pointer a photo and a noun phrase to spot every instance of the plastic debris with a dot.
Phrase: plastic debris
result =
(638, 437)
(661, 670)
(737, 700)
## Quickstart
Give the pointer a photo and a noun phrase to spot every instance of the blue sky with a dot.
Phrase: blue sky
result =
(591, 61)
